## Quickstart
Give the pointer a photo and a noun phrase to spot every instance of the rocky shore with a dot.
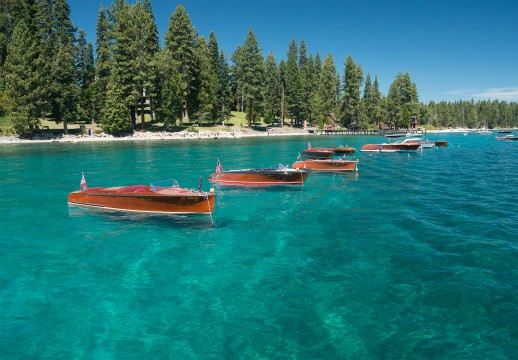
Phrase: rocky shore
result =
(44, 137)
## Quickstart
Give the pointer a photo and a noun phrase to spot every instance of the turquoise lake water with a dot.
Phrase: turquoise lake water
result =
(414, 257)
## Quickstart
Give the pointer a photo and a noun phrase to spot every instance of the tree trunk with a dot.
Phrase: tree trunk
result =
(185, 113)
(133, 117)
(151, 110)
(282, 106)
(142, 105)
(251, 114)
(65, 127)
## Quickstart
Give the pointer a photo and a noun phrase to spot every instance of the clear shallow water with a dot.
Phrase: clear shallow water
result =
(416, 256)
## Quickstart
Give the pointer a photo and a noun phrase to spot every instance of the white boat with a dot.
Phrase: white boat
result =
(484, 131)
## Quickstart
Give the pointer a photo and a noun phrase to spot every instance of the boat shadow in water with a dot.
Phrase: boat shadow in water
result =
(172, 220)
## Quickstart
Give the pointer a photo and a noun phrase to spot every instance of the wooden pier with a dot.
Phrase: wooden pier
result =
(363, 132)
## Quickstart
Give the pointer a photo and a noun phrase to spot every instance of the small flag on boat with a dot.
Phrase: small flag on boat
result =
(298, 157)
(309, 145)
(82, 184)
(201, 183)
(218, 167)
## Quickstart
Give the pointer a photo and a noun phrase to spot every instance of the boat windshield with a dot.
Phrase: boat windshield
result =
(164, 184)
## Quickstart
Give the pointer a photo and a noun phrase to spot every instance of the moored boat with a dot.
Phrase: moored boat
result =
(507, 137)
(275, 175)
(390, 148)
(164, 197)
(326, 165)
(441, 143)
(343, 150)
(318, 153)
(424, 144)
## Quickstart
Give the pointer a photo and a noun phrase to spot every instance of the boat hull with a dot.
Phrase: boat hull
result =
(390, 148)
(327, 165)
(141, 199)
(508, 138)
(260, 177)
(441, 143)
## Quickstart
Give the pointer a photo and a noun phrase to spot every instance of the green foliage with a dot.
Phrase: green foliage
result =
(22, 84)
(352, 81)
(327, 90)
(180, 41)
(272, 94)
(115, 118)
(170, 95)
(292, 81)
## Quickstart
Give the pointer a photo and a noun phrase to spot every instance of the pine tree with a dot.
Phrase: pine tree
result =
(22, 81)
(147, 47)
(327, 90)
(63, 87)
(402, 100)
(204, 85)
(169, 85)
(180, 40)
(85, 77)
(115, 118)
(282, 78)
(351, 104)
(102, 62)
(272, 94)
(293, 88)
(225, 101)
(252, 73)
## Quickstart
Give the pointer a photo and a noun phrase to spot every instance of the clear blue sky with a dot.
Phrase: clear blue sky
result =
(453, 50)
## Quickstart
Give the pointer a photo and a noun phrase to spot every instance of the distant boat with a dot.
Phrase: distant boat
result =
(318, 153)
(441, 142)
(390, 147)
(165, 197)
(326, 165)
(505, 132)
(484, 131)
(392, 136)
(507, 137)
(276, 175)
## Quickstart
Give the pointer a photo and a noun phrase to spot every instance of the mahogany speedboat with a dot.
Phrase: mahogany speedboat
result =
(390, 147)
(343, 150)
(507, 137)
(441, 143)
(424, 144)
(278, 175)
(318, 153)
(164, 197)
(326, 165)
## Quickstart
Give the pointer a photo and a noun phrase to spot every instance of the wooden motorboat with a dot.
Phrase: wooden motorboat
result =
(343, 150)
(326, 165)
(318, 153)
(507, 137)
(390, 148)
(441, 143)
(164, 197)
(424, 144)
(276, 175)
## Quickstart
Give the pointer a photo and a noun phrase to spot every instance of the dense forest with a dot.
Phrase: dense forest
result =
(49, 70)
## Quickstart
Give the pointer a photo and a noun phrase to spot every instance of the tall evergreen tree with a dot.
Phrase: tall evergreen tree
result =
(251, 74)
(293, 88)
(224, 91)
(272, 94)
(402, 100)
(115, 112)
(352, 81)
(169, 86)
(22, 81)
(85, 73)
(146, 37)
(204, 83)
(282, 78)
(180, 40)
(327, 90)
(102, 62)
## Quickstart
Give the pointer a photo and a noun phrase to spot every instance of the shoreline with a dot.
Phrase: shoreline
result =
(146, 135)
(46, 137)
